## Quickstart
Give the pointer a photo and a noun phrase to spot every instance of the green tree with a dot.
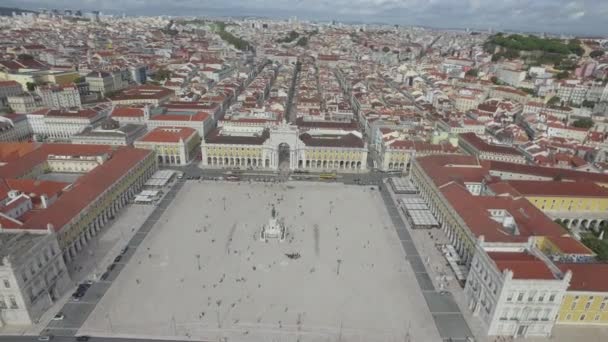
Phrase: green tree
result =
(562, 75)
(583, 123)
(472, 72)
(303, 41)
(30, 86)
(386, 49)
(588, 104)
(599, 247)
(554, 101)
(596, 53)
(162, 74)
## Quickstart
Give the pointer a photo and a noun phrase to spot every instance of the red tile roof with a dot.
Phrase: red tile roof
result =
(128, 112)
(569, 245)
(548, 172)
(39, 155)
(451, 172)
(199, 116)
(13, 151)
(168, 134)
(587, 277)
(557, 188)
(483, 146)
(523, 265)
(87, 188)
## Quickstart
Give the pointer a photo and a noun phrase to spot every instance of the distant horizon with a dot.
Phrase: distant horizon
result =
(360, 13)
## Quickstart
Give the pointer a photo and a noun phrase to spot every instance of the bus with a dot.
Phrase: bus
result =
(328, 176)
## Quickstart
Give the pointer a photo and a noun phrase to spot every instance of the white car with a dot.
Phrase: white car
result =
(59, 317)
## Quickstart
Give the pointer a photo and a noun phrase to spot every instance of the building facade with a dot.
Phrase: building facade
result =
(60, 96)
(33, 276)
(514, 290)
(284, 147)
(173, 145)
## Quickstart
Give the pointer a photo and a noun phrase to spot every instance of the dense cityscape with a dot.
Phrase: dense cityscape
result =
(263, 179)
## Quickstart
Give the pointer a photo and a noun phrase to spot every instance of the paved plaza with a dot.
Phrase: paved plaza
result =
(202, 271)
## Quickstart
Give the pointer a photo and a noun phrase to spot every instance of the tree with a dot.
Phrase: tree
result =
(494, 79)
(596, 53)
(562, 75)
(162, 74)
(583, 123)
(599, 247)
(555, 100)
(588, 104)
(30, 86)
(303, 41)
(386, 49)
(472, 73)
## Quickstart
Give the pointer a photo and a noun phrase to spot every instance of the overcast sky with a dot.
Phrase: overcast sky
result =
(571, 16)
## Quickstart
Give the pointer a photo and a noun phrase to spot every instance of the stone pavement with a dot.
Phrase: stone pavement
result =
(448, 317)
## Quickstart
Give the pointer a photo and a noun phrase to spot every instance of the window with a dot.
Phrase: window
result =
(531, 296)
(568, 317)
(13, 302)
(509, 296)
(603, 306)
(587, 306)
(552, 297)
(582, 318)
(24, 277)
(7, 284)
(597, 317)
(573, 305)
(515, 314)
(2, 303)
(520, 297)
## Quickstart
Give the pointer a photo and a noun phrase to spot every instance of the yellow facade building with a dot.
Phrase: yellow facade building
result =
(575, 204)
(586, 300)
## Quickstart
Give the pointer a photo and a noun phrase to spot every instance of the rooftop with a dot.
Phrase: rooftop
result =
(587, 277)
(168, 134)
(523, 265)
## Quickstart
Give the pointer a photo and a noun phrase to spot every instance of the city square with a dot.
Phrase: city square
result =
(204, 271)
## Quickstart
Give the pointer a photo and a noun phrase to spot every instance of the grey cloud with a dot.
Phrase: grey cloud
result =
(570, 16)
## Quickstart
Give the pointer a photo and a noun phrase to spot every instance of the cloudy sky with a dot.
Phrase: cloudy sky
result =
(571, 16)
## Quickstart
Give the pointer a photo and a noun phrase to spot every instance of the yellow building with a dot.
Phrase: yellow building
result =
(573, 203)
(564, 248)
(586, 300)
(173, 145)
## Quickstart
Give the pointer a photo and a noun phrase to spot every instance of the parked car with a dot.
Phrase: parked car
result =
(124, 250)
(118, 258)
(82, 338)
(59, 317)
(111, 267)
(45, 337)
(105, 275)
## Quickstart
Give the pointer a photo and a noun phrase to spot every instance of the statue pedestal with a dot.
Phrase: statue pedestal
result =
(274, 230)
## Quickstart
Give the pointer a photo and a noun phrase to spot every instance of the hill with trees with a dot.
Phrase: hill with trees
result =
(534, 50)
